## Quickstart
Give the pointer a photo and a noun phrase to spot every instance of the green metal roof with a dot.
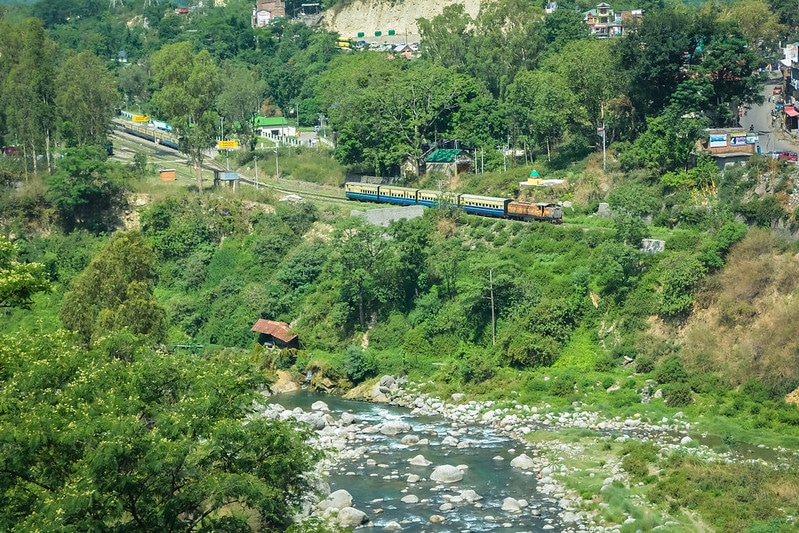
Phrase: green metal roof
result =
(269, 121)
(442, 155)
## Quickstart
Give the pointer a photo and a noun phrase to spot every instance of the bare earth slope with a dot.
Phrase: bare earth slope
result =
(369, 16)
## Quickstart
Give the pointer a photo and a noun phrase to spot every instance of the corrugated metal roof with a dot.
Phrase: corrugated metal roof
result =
(269, 121)
(279, 330)
(443, 155)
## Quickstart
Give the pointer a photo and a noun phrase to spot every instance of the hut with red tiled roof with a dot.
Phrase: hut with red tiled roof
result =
(274, 333)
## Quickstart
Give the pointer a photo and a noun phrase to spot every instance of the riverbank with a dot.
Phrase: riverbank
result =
(583, 459)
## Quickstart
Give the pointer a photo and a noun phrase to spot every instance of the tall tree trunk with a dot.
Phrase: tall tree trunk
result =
(360, 309)
(47, 151)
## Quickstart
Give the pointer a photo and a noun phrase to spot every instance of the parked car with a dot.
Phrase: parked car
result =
(788, 155)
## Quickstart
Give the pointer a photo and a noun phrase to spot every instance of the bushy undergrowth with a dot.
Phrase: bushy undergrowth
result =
(730, 496)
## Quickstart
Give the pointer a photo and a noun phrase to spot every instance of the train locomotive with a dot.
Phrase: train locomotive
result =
(474, 204)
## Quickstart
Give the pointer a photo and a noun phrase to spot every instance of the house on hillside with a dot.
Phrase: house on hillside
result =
(728, 145)
(273, 127)
(274, 333)
(448, 161)
(604, 22)
(266, 10)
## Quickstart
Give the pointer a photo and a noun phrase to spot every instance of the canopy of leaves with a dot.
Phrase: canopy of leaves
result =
(147, 442)
(115, 293)
(19, 281)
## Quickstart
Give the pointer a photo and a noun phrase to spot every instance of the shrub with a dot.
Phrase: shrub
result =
(763, 212)
(636, 458)
(563, 385)
(476, 366)
(358, 364)
(605, 363)
(677, 395)
(671, 370)
(624, 398)
(644, 364)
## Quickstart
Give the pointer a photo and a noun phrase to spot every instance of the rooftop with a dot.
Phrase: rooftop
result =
(279, 330)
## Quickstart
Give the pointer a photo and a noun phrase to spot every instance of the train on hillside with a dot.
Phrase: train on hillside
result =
(487, 206)
(144, 127)
(151, 133)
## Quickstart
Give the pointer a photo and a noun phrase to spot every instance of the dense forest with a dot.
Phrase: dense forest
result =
(104, 270)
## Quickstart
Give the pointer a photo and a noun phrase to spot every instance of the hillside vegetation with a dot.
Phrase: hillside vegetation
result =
(128, 301)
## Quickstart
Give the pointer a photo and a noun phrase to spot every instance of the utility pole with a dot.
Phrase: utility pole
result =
(601, 132)
(277, 166)
(255, 159)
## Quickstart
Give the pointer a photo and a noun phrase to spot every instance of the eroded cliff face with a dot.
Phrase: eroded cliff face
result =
(369, 16)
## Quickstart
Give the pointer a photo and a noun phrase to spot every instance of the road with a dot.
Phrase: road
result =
(772, 138)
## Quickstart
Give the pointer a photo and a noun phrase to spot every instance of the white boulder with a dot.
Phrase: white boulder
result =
(446, 474)
(351, 517)
(523, 462)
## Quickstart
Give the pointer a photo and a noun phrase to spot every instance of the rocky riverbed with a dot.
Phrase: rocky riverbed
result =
(552, 506)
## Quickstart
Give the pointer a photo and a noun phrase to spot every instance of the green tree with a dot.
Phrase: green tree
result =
(543, 105)
(650, 56)
(148, 442)
(86, 97)
(730, 65)
(19, 281)
(681, 273)
(565, 27)
(506, 39)
(132, 81)
(241, 97)
(187, 87)
(759, 24)
(29, 91)
(666, 145)
(367, 267)
(445, 38)
(594, 84)
(85, 189)
(115, 292)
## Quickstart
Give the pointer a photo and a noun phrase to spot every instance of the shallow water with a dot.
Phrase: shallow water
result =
(377, 488)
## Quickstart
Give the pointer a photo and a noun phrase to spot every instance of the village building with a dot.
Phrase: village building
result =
(448, 161)
(275, 334)
(273, 127)
(266, 10)
(728, 145)
(605, 22)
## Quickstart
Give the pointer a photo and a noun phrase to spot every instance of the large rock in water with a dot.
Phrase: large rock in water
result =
(315, 420)
(511, 505)
(351, 517)
(523, 462)
(447, 474)
(337, 500)
(419, 460)
(394, 427)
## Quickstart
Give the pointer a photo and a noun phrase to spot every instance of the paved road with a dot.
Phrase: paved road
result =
(772, 138)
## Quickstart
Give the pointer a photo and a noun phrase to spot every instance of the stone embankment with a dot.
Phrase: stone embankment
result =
(553, 461)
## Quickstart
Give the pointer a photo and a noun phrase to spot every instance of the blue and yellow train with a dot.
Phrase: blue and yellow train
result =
(474, 204)
(152, 134)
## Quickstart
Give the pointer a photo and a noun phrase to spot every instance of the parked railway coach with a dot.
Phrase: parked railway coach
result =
(471, 203)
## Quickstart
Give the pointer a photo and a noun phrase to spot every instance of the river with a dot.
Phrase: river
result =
(378, 480)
